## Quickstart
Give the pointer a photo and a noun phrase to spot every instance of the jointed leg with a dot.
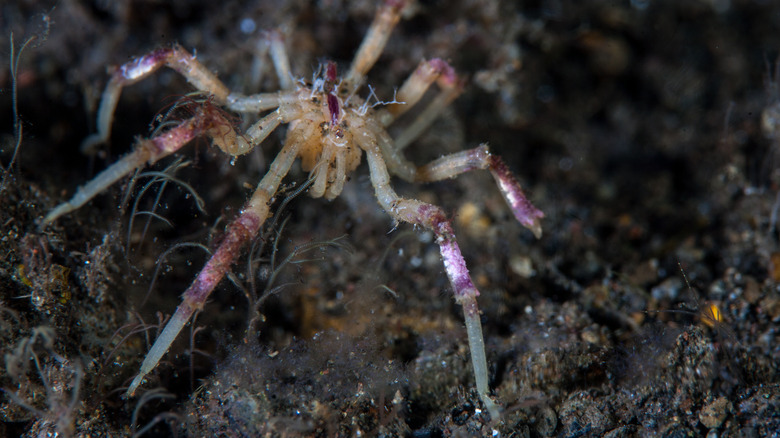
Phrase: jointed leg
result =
(480, 157)
(148, 151)
(271, 41)
(433, 218)
(263, 101)
(207, 121)
(452, 165)
(239, 232)
(374, 42)
(174, 57)
(280, 60)
(428, 72)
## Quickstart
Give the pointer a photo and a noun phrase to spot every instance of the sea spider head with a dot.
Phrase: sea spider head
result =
(326, 133)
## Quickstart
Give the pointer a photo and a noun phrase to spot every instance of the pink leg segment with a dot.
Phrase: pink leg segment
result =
(525, 212)
(174, 57)
(465, 294)
(433, 218)
(146, 152)
(238, 233)
(480, 157)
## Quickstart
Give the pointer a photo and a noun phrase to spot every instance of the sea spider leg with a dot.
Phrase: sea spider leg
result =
(374, 42)
(259, 102)
(208, 121)
(455, 164)
(239, 232)
(174, 57)
(480, 157)
(439, 71)
(415, 86)
(280, 60)
(427, 116)
(148, 151)
(386, 18)
(434, 219)
(260, 51)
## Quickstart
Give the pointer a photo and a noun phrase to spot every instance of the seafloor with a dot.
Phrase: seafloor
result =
(647, 131)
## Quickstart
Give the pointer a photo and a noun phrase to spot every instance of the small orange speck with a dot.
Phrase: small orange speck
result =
(711, 315)
(625, 220)
(775, 266)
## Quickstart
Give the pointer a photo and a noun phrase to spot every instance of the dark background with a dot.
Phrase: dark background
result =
(635, 126)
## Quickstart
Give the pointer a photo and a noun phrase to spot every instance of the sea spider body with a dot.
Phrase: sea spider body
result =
(329, 127)
(329, 150)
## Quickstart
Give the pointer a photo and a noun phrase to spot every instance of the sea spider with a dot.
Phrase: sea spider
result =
(330, 127)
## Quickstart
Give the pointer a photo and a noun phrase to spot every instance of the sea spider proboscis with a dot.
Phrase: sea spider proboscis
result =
(330, 127)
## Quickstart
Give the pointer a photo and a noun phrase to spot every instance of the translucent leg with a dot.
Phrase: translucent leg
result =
(174, 57)
(280, 60)
(450, 166)
(263, 101)
(148, 151)
(374, 42)
(453, 165)
(239, 232)
(432, 218)
(424, 120)
(208, 121)
(426, 73)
